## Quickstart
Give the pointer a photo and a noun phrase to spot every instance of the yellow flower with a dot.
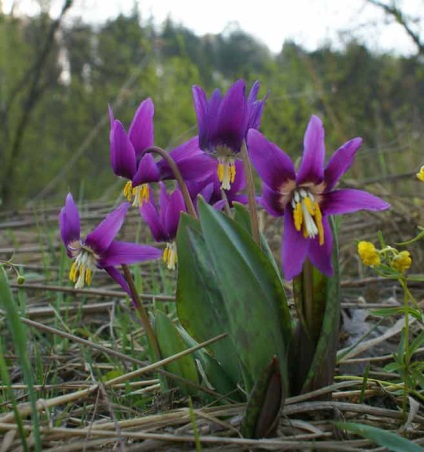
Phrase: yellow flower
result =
(368, 254)
(402, 261)
(420, 175)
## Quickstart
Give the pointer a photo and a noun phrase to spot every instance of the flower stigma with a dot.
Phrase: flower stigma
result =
(170, 255)
(139, 195)
(307, 214)
(226, 171)
(84, 264)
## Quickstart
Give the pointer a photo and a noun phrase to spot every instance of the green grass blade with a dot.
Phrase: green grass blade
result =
(19, 336)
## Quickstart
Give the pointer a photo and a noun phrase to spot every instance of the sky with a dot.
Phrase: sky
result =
(309, 23)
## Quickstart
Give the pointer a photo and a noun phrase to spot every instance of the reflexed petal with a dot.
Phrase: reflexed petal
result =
(294, 249)
(201, 109)
(122, 156)
(320, 255)
(232, 118)
(340, 162)
(141, 129)
(273, 165)
(128, 253)
(253, 94)
(351, 200)
(173, 212)
(150, 215)
(271, 201)
(147, 171)
(69, 221)
(101, 237)
(119, 278)
(199, 168)
(191, 161)
(163, 204)
(311, 167)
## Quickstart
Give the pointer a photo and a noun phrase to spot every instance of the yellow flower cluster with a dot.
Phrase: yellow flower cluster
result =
(371, 257)
(402, 261)
(420, 175)
(368, 254)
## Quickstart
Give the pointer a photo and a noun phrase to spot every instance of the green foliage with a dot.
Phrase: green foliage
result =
(385, 439)
(226, 282)
(65, 138)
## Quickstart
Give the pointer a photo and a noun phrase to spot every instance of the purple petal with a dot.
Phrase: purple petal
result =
(141, 129)
(173, 212)
(231, 122)
(350, 200)
(294, 248)
(273, 165)
(118, 277)
(69, 221)
(311, 167)
(340, 162)
(163, 204)
(320, 255)
(191, 161)
(201, 109)
(122, 156)
(147, 171)
(101, 237)
(120, 253)
(150, 215)
(271, 201)
(239, 181)
(255, 108)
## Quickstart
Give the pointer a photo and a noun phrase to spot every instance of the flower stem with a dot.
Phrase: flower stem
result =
(179, 178)
(250, 193)
(142, 312)
(406, 355)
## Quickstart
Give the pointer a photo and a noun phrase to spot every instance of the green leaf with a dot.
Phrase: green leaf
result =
(386, 312)
(265, 401)
(381, 437)
(317, 299)
(255, 312)
(170, 343)
(215, 375)
(200, 304)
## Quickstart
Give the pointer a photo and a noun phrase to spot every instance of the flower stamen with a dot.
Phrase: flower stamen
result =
(307, 215)
(226, 171)
(139, 195)
(170, 255)
(83, 266)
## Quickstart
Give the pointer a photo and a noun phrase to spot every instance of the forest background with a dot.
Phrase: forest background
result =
(57, 79)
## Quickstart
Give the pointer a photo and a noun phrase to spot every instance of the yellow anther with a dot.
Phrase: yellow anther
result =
(298, 216)
(318, 222)
(73, 273)
(88, 276)
(232, 172)
(308, 203)
(169, 255)
(128, 191)
(220, 171)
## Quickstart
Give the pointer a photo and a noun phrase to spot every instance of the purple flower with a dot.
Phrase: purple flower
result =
(163, 221)
(223, 123)
(129, 158)
(308, 197)
(211, 190)
(99, 249)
